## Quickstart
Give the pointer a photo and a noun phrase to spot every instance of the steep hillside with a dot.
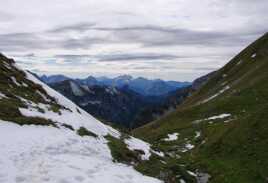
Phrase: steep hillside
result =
(44, 137)
(222, 129)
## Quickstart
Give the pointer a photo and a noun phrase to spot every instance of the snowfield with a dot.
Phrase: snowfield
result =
(31, 154)
(2, 95)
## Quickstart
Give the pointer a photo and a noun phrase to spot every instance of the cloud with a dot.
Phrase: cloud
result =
(5, 17)
(25, 42)
(120, 57)
(172, 39)
(80, 27)
(147, 36)
(137, 57)
(154, 36)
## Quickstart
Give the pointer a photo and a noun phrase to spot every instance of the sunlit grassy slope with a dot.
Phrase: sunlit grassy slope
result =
(234, 148)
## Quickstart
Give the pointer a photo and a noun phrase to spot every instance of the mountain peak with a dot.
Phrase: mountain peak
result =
(124, 77)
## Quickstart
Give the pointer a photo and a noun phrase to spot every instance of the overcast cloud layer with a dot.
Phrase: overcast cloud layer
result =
(168, 39)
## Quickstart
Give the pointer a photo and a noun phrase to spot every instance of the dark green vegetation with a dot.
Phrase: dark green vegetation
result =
(17, 89)
(67, 126)
(82, 131)
(233, 149)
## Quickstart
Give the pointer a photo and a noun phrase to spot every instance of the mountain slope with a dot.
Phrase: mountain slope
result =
(44, 137)
(222, 128)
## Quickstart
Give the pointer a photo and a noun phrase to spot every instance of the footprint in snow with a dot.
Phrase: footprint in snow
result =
(79, 178)
(64, 181)
(20, 179)
(74, 167)
(46, 179)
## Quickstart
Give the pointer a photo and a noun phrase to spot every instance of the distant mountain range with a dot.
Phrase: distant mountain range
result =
(123, 100)
(120, 106)
(143, 86)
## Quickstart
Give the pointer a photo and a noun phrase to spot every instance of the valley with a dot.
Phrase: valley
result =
(216, 133)
(121, 101)
(130, 91)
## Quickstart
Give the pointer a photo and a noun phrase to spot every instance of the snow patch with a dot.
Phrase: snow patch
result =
(76, 90)
(191, 173)
(216, 95)
(228, 120)
(137, 144)
(2, 96)
(172, 137)
(221, 116)
(240, 61)
(24, 84)
(197, 134)
(95, 102)
(43, 96)
(202, 177)
(224, 83)
(87, 89)
(189, 146)
(158, 153)
(7, 65)
(111, 90)
(15, 81)
(253, 55)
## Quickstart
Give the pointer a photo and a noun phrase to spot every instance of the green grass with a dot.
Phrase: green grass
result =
(233, 152)
(82, 131)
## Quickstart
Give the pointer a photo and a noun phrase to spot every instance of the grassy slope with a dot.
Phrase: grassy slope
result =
(233, 152)
(14, 92)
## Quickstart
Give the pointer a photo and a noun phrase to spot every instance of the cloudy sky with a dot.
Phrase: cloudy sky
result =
(168, 39)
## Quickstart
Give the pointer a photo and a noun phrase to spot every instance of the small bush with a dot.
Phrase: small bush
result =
(67, 126)
(82, 131)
